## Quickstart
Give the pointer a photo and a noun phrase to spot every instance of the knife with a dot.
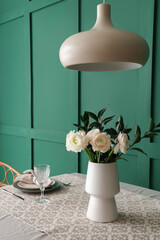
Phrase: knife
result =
(5, 190)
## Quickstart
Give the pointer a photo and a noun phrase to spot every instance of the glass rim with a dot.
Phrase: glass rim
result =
(42, 165)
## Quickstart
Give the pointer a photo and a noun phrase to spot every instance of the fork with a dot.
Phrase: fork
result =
(64, 184)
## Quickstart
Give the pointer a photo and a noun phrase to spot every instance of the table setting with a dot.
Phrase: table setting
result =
(36, 181)
(64, 217)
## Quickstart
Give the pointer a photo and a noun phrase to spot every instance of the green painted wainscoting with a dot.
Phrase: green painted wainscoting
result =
(40, 100)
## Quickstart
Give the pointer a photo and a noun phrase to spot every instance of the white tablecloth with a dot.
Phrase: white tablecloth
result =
(13, 229)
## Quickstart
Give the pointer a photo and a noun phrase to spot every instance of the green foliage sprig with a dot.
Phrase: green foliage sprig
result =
(90, 121)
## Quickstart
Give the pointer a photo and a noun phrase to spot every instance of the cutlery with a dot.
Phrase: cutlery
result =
(64, 184)
(5, 190)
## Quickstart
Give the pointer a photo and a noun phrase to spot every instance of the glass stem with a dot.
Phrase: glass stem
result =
(42, 192)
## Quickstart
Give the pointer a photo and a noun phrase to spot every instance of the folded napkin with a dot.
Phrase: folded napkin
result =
(29, 180)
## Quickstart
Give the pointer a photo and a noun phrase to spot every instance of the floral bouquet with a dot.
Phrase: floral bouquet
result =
(106, 145)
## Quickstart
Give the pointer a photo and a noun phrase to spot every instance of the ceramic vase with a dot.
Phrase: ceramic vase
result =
(102, 184)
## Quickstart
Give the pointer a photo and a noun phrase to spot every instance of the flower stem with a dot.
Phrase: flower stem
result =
(89, 153)
(127, 150)
(98, 156)
(111, 152)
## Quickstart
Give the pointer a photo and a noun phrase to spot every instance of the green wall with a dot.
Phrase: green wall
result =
(40, 100)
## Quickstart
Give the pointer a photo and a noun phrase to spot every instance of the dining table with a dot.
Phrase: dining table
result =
(64, 217)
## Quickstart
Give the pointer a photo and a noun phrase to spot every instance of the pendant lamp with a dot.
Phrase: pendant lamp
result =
(104, 48)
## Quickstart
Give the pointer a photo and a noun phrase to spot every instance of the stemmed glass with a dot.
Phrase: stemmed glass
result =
(41, 172)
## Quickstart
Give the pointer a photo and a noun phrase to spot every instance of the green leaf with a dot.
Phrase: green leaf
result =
(80, 127)
(149, 134)
(157, 130)
(86, 119)
(92, 115)
(101, 112)
(86, 123)
(151, 125)
(139, 150)
(111, 131)
(158, 125)
(104, 123)
(85, 116)
(90, 154)
(106, 120)
(119, 124)
(82, 119)
(95, 124)
(127, 130)
(137, 135)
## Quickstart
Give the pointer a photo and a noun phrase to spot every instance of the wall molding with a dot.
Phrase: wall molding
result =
(11, 15)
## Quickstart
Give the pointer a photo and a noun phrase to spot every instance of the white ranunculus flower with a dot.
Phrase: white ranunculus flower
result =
(91, 134)
(122, 143)
(76, 141)
(101, 142)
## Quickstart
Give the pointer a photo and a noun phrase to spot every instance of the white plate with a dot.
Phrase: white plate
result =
(37, 190)
(32, 185)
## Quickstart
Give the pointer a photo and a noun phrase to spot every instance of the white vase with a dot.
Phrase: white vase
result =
(102, 184)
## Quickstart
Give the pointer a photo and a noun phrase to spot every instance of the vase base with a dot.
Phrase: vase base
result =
(102, 209)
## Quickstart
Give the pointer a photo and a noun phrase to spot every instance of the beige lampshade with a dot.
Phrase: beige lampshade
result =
(104, 48)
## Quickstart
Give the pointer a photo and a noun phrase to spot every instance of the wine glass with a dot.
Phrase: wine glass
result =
(41, 172)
